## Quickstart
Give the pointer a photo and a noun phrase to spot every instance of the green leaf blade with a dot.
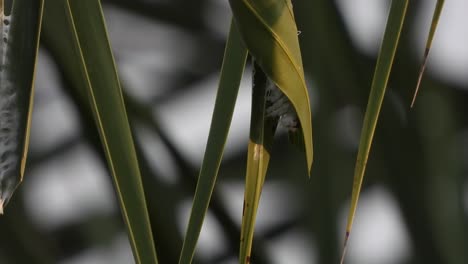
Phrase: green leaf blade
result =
(235, 57)
(262, 131)
(257, 165)
(86, 20)
(379, 84)
(269, 30)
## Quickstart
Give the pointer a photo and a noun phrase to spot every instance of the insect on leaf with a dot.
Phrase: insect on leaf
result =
(18, 52)
(269, 31)
(262, 130)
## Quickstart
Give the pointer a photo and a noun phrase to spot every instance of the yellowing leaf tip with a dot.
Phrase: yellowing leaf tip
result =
(421, 73)
(1, 206)
(345, 246)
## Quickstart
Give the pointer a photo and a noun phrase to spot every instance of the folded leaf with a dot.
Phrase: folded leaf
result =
(269, 31)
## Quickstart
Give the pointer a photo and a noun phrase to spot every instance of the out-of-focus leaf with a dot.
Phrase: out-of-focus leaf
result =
(18, 51)
(442, 175)
(435, 21)
(231, 73)
(269, 31)
(379, 84)
(82, 24)
(262, 131)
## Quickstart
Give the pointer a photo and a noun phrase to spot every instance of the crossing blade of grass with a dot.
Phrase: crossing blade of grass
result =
(85, 19)
(269, 31)
(379, 83)
(18, 52)
(235, 56)
(262, 131)
(435, 21)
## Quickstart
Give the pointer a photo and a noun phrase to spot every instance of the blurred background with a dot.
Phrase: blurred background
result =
(414, 205)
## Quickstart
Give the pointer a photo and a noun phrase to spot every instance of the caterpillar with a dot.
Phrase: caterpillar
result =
(278, 105)
(18, 50)
(9, 117)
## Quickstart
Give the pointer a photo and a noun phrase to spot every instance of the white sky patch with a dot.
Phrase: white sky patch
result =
(211, 241)
(218, 17)
(277, 203)
(52, 124)
(365, 20)
(160, 160)
(149, 54)
(293, 248)
(54, 118)
(187, 118)
(68, 188)
(448, 59)
(379, 234)
(449, 54)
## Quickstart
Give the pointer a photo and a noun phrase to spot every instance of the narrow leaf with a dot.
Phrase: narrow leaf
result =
(262, 131)
(231, 73)
(269, 31)
(435, 21)
(379, 83)
(18, 52)
(85, 20)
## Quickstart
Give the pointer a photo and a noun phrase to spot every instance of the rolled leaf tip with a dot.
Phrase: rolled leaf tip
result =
(345, 246)
(1, 206)
(421, 73)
